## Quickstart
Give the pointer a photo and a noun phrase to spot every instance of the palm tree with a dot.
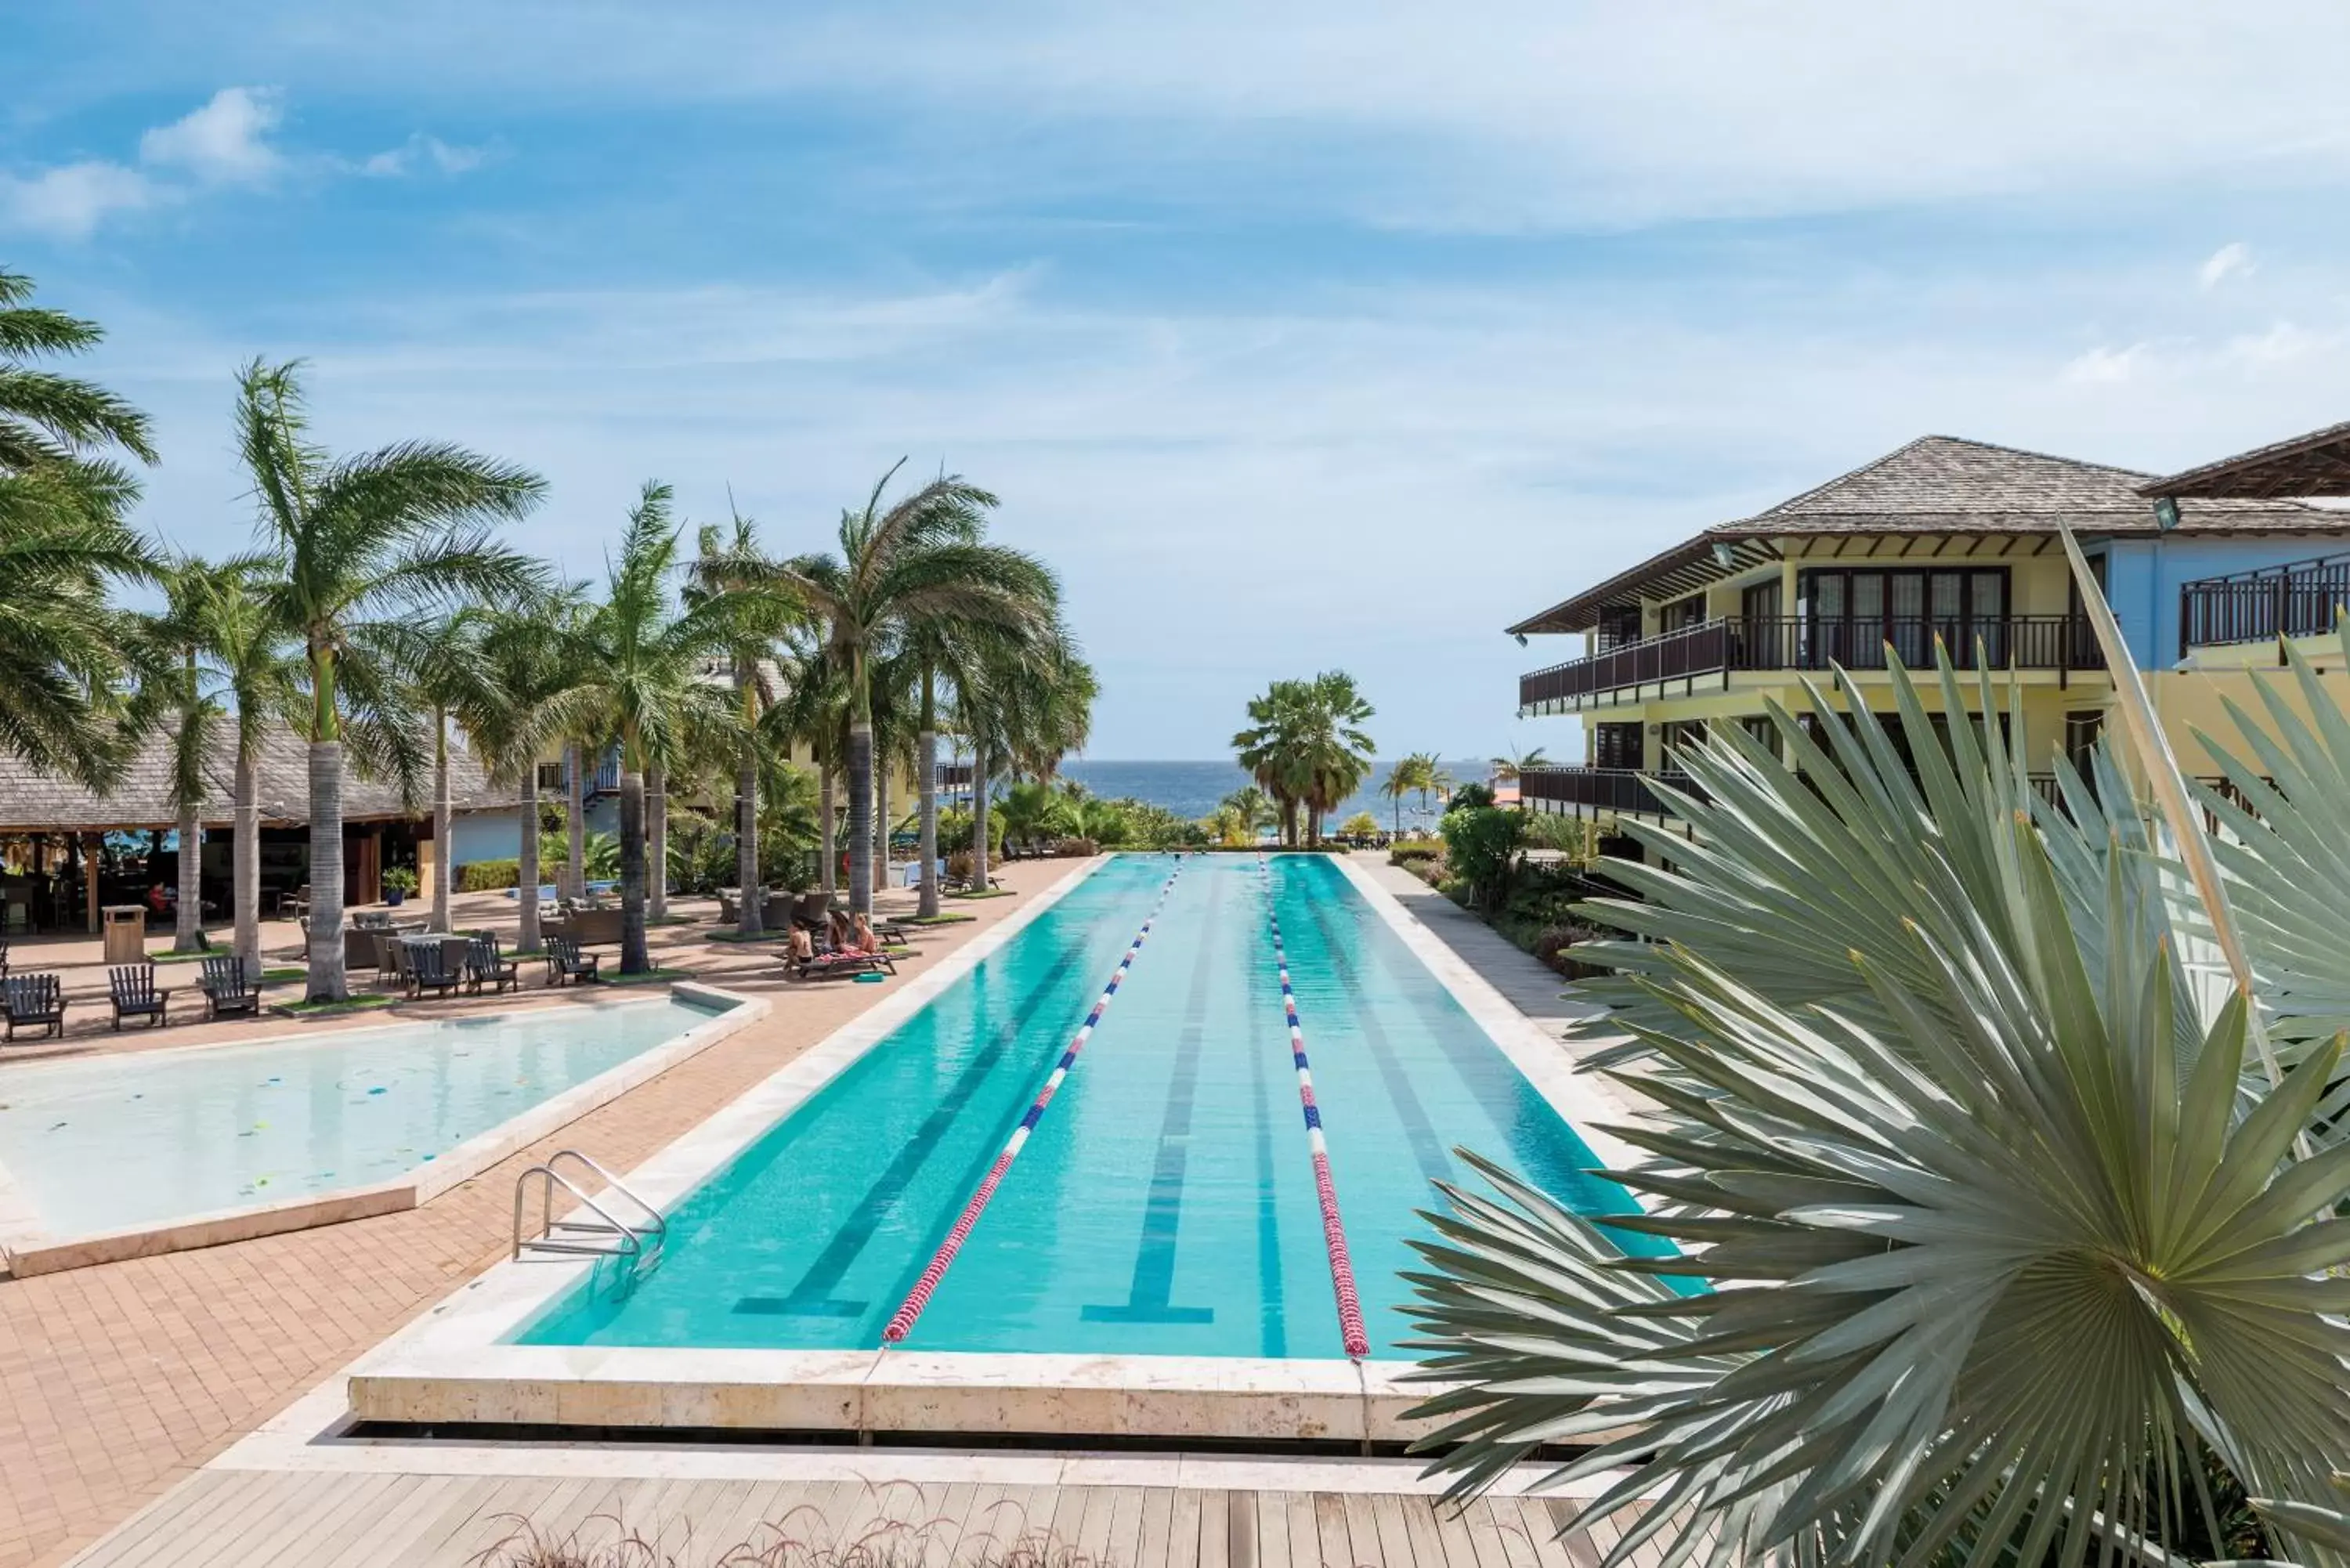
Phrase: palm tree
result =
(1336, 754)
(735, 563)
(443, 666)
(1250, 808)
(1506, 769)
(184, 696)
(919, 561)
(1269, 749)
(63, 647)
(639, 659)
(1407, 775)
(2009, 1217)
(260, 675)
(360, 543)
(530, 699)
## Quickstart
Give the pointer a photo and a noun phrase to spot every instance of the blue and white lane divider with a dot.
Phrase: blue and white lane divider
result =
(902, 1321)
(1333, 1228)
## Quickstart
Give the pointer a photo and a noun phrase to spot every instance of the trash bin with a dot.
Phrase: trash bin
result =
(126, 933)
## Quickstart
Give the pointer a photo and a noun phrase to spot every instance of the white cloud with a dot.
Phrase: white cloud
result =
(2282, 344)
(69, 201)
(225, 142)
(2103, 365)
(420, 149)
(2231, 260)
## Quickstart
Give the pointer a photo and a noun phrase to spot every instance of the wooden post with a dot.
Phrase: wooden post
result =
(89, 846)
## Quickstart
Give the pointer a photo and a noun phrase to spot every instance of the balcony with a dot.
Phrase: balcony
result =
(1624, 791)
(2299, 599)
(1678, 659)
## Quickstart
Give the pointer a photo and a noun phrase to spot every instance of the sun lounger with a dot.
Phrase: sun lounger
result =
(29, 999)
(226, 989)
(131, 990)
(834, 962)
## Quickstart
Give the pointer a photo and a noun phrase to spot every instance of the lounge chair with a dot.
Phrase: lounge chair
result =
(428, 968)
(485, 965)
(131, 990)
(226, 988)
(829, 963)
(4, 953)
(29, 999)
(564, 961)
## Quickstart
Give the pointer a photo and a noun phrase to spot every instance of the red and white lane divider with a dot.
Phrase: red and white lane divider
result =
(1333, 1229)
(902, 1321)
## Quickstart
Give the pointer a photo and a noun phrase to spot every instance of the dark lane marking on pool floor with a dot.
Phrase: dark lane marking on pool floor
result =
(813, 1297)
(1162, 1215)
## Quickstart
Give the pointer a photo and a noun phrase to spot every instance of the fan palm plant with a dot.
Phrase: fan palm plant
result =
(1335, 753)
(2000, 1215)
(639, 658)
(1507, 768)
(64, 648)
(920, 560)
(360, 543)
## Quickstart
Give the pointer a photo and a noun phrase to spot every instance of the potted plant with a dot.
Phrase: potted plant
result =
(397, 884)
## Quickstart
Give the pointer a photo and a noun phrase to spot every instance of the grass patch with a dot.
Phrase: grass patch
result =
(649, 977)
(936, 920)
(187, 958)
(280, 976)
(982, 893)
(327, 1008)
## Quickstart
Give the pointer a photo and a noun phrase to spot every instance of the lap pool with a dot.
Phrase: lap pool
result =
(117, 1143)
(1166, 1202)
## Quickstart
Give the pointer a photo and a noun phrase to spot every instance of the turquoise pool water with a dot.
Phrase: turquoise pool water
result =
(112, 1142)
(1166, 1203)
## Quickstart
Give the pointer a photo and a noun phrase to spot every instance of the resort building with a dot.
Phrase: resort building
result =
(1948, 540)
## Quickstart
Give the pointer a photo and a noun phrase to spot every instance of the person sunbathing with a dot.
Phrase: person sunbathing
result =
(802, 945)
(866, 942)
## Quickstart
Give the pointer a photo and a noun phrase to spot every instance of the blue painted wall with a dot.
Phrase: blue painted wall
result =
(2143, 578)
(498, 834)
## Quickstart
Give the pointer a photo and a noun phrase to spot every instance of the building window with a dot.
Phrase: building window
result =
(550, 777)
(1615, 628)
(1616, 746)
(1851, 615)
(1761, 729)
(1680, 736)
(1682, 614)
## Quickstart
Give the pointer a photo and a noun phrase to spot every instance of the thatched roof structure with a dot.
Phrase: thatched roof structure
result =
(2003, 498)
(34, 801)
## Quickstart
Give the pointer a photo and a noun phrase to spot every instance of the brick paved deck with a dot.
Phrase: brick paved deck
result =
(115, 1381)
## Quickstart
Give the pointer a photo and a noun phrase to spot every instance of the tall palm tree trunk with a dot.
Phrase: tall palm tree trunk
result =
(978, 818)
(926, 758)
(881, 825)
(445, 819)
(633, 959)
(575, 865)
(326, 981)
(244, 857)
(750, 921)
(526, 859)
(188, 931)
(827, 830)
(860, 817)
(657, 841)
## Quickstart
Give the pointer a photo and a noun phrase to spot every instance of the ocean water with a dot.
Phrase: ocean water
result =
(1192, 789)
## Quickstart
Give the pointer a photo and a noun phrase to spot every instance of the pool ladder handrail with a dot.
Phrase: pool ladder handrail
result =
(613, 1237)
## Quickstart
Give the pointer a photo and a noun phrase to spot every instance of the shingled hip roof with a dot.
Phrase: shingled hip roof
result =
(1936, 485)
(34, 801)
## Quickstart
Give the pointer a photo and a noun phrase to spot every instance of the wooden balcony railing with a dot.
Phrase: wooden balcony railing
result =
(2299, 599)
(1602, 789)
(1809, 643)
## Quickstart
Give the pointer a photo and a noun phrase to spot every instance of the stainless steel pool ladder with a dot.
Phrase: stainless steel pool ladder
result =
(605, 1236)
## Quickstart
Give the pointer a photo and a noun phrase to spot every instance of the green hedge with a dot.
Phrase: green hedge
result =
(488, 875)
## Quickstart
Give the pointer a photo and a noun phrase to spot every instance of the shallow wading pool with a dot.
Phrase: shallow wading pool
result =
(1164, 1225)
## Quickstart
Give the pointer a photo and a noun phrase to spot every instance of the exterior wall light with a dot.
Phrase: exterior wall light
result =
(2165, 513)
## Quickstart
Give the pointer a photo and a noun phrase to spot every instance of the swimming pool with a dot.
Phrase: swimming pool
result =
(135, 1144)
(1166, 1202)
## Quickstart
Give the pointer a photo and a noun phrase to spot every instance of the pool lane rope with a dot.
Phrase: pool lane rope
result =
(1333, 1228)
(902, 1322)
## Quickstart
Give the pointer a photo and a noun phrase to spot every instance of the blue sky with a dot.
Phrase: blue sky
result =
(1298, 338)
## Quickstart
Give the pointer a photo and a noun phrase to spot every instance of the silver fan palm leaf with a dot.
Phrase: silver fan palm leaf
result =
(1985, 1232)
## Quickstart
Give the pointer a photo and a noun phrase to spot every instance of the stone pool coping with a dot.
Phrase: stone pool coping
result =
(27, 1248)
(453, 1367)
